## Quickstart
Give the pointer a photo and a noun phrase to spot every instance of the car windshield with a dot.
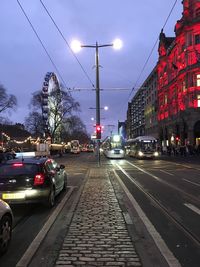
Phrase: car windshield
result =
(18, 169)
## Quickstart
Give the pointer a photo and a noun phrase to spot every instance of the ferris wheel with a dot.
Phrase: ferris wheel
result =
(50, 84)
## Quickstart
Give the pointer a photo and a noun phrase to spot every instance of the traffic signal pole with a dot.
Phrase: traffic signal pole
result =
(97, 101)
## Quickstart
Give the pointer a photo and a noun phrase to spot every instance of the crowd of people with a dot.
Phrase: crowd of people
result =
(182, 150)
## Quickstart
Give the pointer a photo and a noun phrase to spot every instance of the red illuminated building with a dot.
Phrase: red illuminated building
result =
(178, 84)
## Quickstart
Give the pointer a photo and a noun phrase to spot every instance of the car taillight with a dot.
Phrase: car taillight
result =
(39, 179)
(17, 164)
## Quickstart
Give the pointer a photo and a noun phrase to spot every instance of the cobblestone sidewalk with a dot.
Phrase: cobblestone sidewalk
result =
(98, 235)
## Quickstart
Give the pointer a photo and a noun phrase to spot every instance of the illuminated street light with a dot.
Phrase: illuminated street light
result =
(76, 47)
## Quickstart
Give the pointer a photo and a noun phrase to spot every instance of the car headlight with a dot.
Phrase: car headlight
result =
(121, 151)
(156, 154)
(140, 153)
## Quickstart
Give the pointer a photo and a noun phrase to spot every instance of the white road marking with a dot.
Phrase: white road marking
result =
(191, 182)
(192, 207)
(167, 172)
(168, 255)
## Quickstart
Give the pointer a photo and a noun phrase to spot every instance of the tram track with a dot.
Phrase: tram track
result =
(188, 196)
(187, 232)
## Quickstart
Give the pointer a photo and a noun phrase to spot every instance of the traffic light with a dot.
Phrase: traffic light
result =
(177, 138)
(98, 131)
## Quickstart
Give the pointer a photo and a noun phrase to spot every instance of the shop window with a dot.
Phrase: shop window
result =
(197, 39)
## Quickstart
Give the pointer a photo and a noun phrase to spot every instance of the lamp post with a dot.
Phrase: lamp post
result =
(76, 46)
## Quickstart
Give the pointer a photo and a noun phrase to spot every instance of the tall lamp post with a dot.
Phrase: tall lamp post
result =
(76, 47)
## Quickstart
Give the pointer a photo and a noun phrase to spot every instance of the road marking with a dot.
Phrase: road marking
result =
(192, 207)
(191, 182)
(196, 199)
(161, 245)
(29, 253)
(167, 172)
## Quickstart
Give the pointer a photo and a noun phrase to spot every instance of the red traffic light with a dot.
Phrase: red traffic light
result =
(98, 131)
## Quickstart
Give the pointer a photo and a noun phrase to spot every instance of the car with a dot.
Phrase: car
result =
(32, 180)
(90, 148)
(4, 156)
(6, 222)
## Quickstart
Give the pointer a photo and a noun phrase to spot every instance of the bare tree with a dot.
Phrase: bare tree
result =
(60, 107)
(6, 101)
(34, 124)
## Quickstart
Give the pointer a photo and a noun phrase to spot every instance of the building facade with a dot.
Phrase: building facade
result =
(171, 93)
(135, 115)
(178, 71)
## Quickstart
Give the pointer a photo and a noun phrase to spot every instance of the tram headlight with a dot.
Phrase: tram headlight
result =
(156, 154)
(140, 153)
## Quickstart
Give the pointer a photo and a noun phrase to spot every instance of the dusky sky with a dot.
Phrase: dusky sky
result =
(24, 63)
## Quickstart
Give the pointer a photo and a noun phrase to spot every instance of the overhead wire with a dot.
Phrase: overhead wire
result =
(42, 44)
(45, 8)
(151, 52)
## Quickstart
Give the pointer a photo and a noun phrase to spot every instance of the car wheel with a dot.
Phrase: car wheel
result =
(5, 233)
(51, 199)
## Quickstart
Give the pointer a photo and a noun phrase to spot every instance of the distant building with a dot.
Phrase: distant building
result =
(122, 129)
(135, 115)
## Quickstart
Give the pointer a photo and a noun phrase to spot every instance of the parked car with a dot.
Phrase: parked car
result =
(29, 180)
(6, 222)
(4, 156)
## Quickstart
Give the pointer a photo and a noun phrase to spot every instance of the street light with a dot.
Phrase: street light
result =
(76, 47)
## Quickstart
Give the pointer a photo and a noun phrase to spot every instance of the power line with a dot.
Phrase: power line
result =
(42, 44)
(145, 64)
(66, 42)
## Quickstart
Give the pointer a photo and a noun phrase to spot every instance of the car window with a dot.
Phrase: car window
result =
(18, 168)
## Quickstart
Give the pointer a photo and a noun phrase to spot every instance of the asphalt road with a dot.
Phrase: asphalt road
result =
(167, 190)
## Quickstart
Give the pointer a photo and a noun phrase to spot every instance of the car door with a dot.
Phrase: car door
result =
(59, 177)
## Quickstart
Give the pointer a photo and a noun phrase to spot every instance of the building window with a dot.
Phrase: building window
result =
(197, 39)
(165, 98)
(198, 79)
(189, 38)
(184, 86)
(198, 101)
(197, 12)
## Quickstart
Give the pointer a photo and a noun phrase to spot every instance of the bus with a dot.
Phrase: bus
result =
(143, 147)
(113, 147)
(75, 147)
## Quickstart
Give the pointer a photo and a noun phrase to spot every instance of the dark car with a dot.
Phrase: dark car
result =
(29, 180)
(6, 222)
(4, 156)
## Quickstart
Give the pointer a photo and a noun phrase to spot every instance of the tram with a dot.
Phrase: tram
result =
(113, 147)
(143, 147)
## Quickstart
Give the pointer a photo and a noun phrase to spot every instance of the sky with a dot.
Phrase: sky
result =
(24, 62)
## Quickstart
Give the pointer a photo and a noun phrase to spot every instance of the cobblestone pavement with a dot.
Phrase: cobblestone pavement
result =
(98, 235)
